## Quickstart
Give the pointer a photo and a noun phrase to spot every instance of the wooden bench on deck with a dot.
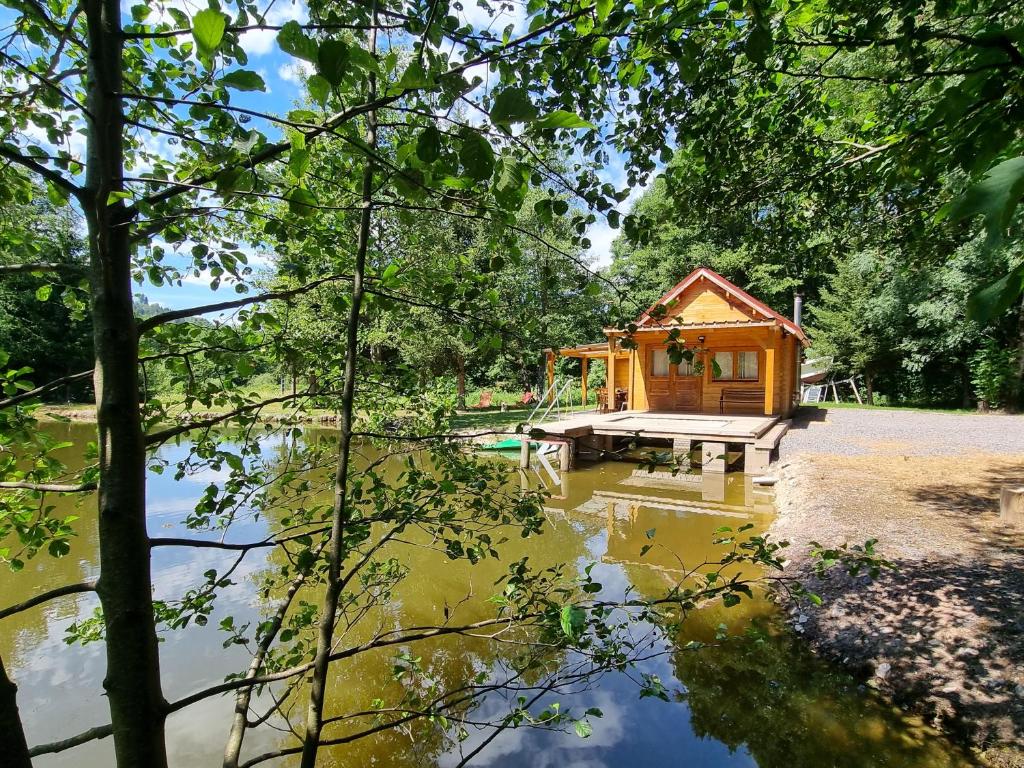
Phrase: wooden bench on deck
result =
(751, 398)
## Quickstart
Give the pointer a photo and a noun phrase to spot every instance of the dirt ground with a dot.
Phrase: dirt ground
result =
(943, 635)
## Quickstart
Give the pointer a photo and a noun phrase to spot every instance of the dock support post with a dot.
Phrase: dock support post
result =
(524, 453)
(565, 456)
(1011, 504)
(755, 460)
(713, 457)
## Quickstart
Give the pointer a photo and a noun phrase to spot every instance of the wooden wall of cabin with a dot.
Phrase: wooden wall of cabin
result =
(622, 365)
(759, 339)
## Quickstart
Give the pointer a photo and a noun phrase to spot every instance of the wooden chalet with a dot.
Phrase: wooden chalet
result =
(745, 355)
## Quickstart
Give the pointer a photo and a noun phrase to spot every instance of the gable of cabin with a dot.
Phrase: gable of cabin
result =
(704, 302)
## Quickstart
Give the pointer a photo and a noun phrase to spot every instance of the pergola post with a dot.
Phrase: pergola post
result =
(611, 373)
(551, 375)
(769, 378)
(583, 378)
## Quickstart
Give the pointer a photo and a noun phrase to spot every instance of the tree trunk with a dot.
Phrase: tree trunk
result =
(15, 748)
(339, 517)
(460, 381)
(869, 388)
(132, 682)
(1016, 400)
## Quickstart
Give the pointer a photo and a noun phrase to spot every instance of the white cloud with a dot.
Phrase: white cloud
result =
(295, 71)
(493, 16)
(259, 42)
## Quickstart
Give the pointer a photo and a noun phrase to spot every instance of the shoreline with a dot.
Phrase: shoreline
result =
(943, 635)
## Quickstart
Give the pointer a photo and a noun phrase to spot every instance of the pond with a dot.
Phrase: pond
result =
(754, 699)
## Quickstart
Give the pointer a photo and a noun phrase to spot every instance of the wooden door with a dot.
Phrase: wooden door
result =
(670, 391)
(685, 392)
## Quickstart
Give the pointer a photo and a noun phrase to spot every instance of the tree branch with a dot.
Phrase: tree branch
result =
(53, 594)
(180, 429)
(47, 173)
(99, 732)
(47, 487)
(16, 269)
(28, 395)
(180, 314)
(201, 544)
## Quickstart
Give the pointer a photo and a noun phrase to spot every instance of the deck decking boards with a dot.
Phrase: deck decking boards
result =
(673, 426)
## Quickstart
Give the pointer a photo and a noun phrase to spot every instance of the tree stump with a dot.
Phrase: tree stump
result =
(1011, 505)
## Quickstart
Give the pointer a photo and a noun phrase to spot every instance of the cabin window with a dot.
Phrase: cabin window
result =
(725, 362)
(685, 368)
(659, 362)
(740, 366)
(746, 366)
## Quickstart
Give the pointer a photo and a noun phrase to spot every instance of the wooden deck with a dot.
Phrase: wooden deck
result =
(692, 426)
(758, 435)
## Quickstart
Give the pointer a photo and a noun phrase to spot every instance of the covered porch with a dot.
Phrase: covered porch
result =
(615, 393)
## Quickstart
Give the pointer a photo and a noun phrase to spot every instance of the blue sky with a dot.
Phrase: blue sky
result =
(283, 76)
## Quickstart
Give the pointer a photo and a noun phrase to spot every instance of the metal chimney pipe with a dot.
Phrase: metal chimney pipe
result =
(798, 308)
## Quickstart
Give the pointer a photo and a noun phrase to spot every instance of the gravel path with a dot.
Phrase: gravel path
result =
(944, 634)
(854, 432)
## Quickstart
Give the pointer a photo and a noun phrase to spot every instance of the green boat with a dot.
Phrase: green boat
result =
(505, 445)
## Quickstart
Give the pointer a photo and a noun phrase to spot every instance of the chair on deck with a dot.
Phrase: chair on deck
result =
(485, 400)
(602, 399)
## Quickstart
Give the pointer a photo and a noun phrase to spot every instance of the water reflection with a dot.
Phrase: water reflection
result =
(755, 700)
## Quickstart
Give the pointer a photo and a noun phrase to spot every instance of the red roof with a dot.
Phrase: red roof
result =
(703, 273)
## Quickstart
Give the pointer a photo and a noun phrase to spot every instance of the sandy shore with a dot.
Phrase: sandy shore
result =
(943, 635)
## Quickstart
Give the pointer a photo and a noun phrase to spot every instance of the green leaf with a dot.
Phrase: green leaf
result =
(298, 162)
(414, 76)
(759, 44)
(512, 105)
(992, 301)
(583, 729)
(243, 80)
(572, 621)
(603, 8)
(43, 292)
(562, 118)
(319, 89)
(293, 41)
(511, 186)
(59, 548)
(208, 30)
(361, 58)
(995, 197)
(301, 201)
(332, 61)
(476, 155)
(428, 145)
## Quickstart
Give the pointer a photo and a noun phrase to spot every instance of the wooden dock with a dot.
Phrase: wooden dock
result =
(713, 435)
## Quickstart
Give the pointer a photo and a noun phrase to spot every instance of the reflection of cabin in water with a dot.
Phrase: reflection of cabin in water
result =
(707, 366)
(739, 355)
